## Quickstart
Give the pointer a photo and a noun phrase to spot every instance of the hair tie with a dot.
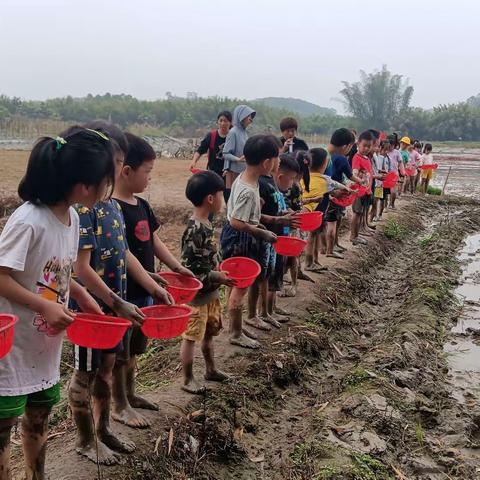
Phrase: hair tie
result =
(100, 134)
(59, 143)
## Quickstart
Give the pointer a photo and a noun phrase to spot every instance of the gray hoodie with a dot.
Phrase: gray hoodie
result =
(235, 141)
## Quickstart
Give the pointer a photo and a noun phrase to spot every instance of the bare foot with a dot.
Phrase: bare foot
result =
(281, 311)
(249, 333)
(280, 318)
(140, 402)
(303, 276)
(245, 342)
(114, 442)
(258, 322)
(289, 293)
(98, 451)
(128, 416)
(193, 387)
(216, 376)
(273, 321)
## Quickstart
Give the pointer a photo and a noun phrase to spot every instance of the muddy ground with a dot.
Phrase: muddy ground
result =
(356, 386)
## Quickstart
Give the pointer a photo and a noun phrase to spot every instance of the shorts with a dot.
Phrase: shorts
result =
(11, 407)
(358, 206)
(275, 279)
(241, 244)
(138, 340)
(386, 193)
(90, 359)
(334, 212)
(427, 174)
(206, 320)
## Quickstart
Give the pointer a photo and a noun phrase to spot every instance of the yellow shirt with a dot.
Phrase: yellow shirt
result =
(318, 187)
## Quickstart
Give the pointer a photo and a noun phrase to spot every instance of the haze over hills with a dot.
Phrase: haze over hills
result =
(296, 105)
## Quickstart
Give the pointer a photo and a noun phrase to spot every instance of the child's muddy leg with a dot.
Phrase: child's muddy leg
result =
(6, 425)
(135, 400)
(211, 372)
(256, 293)
(190, 384)
(235, 306)
(34, 440)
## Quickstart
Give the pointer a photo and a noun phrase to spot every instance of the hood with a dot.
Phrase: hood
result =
(240, 113)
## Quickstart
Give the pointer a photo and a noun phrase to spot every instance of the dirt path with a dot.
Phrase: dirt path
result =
(356, 386)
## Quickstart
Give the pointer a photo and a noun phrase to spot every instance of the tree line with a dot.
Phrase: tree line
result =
(379, 100)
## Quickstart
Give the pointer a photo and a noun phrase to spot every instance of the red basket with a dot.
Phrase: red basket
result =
(97, 331)
(197, 170)
(165, 321)
(7, 330)
(182, 288)
(410, 171)
(390, 180)
(360, 190)
(241, 269)
(432, 166)
(310, 221)
(289, 246)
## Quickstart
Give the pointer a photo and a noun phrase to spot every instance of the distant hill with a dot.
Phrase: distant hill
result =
(296, 105)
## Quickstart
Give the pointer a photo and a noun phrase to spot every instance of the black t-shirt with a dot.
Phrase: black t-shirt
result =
(215, 156)
(269, 193)
(352, 153)
(140, 226)
(298, 144)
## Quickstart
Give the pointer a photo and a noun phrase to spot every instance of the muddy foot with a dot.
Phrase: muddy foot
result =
(216, 376)
(245, 342)
(304, 276)
(281, 311)
(273, 321)
(249, 333)
(128, 416)
(98, 452)
(140, 402)
(194, 387)
(115, 443)
(281, 318)
(288, 293)
(257, 322)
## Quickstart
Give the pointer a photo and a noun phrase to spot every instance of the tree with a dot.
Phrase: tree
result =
(378, 98)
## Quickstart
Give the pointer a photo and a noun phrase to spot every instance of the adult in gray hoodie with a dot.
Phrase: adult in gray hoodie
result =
(233, 160)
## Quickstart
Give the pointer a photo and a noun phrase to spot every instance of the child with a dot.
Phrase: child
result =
(427, 174)
(411, 170)
(144, 242)
(242, 235)
(340, 144)
(312, 198)
(213, 144)
(276, 219)
(362, 167)
(101, 266)
(405, 142)
(415, 155)
(396, 165)
(294, 203)
(382, 163)
(234, 160)
(290, 142)
(37, 249)
(199, 253)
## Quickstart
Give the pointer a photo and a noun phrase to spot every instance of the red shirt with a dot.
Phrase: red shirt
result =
(364, 167)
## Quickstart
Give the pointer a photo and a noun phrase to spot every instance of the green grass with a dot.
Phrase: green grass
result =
(419, 434)
(393, 230)
(369, 468)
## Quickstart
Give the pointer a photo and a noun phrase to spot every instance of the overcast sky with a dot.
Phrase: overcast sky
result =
(245, 49)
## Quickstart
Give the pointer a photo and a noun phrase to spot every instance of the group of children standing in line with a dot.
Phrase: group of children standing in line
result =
(83, 240)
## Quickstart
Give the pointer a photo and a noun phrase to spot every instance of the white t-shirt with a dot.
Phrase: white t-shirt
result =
(40, 250)
(426, 159)
(244, 202)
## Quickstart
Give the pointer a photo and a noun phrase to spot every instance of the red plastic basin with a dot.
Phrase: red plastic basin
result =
(182, 288)
(433, 166)
(410, 171)
(7, 330)
(289, 246)
(310, 220)
(360, 190)
(390, 180)
(165, 321)
(197, 170)
(241, 269)
(97, 331)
